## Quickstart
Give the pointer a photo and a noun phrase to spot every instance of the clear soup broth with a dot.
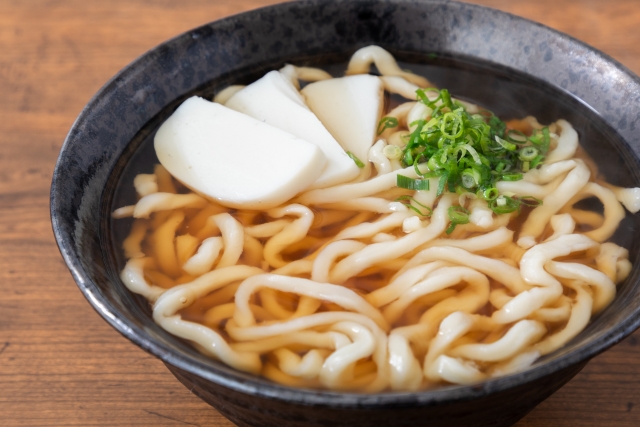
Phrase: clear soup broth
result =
(507, 94)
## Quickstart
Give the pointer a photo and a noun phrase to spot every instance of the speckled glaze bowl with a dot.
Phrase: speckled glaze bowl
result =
(532, 62)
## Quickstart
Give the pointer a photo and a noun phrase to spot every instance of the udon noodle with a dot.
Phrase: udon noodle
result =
(350, 287)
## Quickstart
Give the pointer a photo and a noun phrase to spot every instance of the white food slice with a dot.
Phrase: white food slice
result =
(234, 159)
(350, 107)
(274, 100)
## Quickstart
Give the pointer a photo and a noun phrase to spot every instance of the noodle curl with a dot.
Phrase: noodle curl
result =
(365, 286)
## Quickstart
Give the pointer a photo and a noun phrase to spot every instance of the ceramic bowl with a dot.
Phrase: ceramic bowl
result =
(509, 64)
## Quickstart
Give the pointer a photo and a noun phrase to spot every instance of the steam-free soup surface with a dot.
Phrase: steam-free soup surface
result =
(375, 281)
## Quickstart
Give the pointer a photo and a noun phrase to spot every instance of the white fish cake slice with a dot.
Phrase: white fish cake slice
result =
(350, 108)
(274, 100)
(234, 159)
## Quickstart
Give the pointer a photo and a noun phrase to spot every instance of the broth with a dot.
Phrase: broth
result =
(507, 94)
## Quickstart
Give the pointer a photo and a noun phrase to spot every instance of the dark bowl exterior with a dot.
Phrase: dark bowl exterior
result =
(499, 409)
(179, 67)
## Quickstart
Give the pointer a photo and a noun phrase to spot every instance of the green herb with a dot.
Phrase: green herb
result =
(392, 152)
(386, 123)
(512, 177)
(355, 159)
(516, 137)
(538, 160)
(469, 152)
(541, 139)
(470, 178)
(504, 204)
(457, 215)
(444, 178)
(528, 153)
(411, 183)
(408, 200)
(489, 194)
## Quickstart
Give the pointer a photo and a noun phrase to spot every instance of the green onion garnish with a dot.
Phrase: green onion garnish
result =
(408, 200)
(392, 152)
(433, 164)
(470, 178)
(355, 159)
(512, 177)
(457, 215)
(386, 123)
(535, 162)
(516, 137)
(490, 194)
(470, 152)
(444, 178)
(504, 204)
(411, 183)
(528, 153)
(506, 144)
(541, 138)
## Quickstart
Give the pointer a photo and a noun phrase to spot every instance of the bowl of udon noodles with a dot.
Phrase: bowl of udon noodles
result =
(361, 212)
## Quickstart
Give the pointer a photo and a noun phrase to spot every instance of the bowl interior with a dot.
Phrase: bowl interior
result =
(112, 141)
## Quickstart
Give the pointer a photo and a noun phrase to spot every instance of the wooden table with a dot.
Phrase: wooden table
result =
(60, 363)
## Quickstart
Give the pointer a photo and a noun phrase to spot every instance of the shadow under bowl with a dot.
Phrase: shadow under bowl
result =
(508, 64)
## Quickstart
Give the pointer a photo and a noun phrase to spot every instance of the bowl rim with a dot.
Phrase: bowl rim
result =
(258, 386)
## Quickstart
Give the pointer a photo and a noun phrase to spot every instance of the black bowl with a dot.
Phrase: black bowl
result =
(492, 57)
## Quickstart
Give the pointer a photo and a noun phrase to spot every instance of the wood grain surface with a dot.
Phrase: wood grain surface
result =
(60, 363)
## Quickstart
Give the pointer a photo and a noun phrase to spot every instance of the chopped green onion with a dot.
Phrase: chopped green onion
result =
(355, 159)
(386, 123)
(528, 153)
(444, 178)
(490, 194)
(474, 154)
(433, 164)
(535, 162)
(517, 137)
(411, 183)
(512, 177)
(408, 200)
(408, 157)
(470, 178)
(506, 144)
(417, 169)
(457, 215)
(452, 226)
(446, 98)
(392, 152)
(542, 139)
(422, 96)
(470, 152)
(451, 126)
(504, 204)
(431, 123)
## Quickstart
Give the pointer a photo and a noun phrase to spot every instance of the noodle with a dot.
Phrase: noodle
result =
(364, 286)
